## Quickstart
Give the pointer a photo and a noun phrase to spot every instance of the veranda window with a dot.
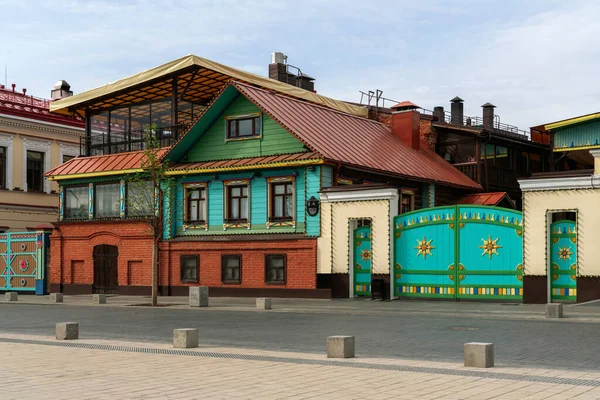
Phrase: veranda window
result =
(107, 200)
(76, 202)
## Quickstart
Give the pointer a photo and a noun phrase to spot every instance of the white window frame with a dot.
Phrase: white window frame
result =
(67, 150)
(7, 141)
(41, 146)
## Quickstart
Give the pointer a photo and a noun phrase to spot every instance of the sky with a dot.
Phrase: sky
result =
(536, 60)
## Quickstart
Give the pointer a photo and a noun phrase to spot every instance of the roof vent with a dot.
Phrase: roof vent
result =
(61, 90)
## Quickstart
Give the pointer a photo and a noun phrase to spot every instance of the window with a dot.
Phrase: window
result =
(140, 198)
(76, 202)
(67, 158)
(407, 201)
(35, 171)
(231, 268)
(2, 167)
(196, 205)
(275, 268)
(282, 201)
(237, 203)
(189, 267)
(243, 126)
(107, 200)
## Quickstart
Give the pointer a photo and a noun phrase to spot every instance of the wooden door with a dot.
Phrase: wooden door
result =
(106, 278)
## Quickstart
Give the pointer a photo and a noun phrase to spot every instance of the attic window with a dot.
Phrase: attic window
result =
(243, 126)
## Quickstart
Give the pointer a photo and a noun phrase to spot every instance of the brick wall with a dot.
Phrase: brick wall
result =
(428, 135)
(301, 262)
(72, 263)
(72, 247)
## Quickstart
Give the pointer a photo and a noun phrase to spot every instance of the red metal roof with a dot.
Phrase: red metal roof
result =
(22, 105)
(104, 163)
(285, 158)
(355, 140)
(487, 199)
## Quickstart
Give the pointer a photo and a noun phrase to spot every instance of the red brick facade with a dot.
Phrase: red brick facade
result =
(72, 261)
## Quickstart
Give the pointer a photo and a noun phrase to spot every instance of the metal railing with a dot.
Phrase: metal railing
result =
(134, 140)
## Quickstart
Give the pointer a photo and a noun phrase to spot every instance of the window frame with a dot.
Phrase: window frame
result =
(195, 257)
(268, 266)
(273, 197)
(229, 197)
(256, 120)
(42, 163)
(187, 190)
(128, 205)
(96, 186)
(223, 266)
(66, 199)
(411, 195)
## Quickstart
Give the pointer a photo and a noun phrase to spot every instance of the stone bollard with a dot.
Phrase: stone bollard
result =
(198, 296)
(554, 310)
(11, 296)
(263, 304)
(99, 298)
(56, 297)
(185, 338)
(340, 347)
(479, 355)
(67, 330)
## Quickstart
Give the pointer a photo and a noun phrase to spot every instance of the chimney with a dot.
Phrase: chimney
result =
(61, 90)
(488, 115)
(456, 111)
(406, 122)
(279, 70)
(438, 112)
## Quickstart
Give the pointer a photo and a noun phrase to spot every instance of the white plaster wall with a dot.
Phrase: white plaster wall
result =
(536, 205)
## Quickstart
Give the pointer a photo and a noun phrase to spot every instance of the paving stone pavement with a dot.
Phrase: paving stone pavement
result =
(47, 369)
(428, 335)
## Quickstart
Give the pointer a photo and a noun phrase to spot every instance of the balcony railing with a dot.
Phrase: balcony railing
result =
(498, 177)
(120, 142)
(469, 169)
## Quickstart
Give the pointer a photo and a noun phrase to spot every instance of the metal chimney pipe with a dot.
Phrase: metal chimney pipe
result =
(438, 112)
(456, 111)
(488, 115)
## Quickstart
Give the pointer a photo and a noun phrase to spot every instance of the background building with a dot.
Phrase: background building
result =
(32, 141)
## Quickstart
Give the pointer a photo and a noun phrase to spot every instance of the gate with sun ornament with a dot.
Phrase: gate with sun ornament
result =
(23, 261)
(459, 252)
(563, 235)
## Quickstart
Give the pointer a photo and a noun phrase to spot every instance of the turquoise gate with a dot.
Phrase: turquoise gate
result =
(459, 252)
(23, 260)
(563, 260)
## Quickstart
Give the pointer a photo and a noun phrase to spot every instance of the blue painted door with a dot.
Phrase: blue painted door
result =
(363, 257)
(563, 267)
(22, 261)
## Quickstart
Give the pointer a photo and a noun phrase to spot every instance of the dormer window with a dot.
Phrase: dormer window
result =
(243, 126)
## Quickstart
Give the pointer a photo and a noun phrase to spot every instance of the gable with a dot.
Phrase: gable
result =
(212, 144)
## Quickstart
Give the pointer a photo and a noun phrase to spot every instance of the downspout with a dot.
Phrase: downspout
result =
(485, 162)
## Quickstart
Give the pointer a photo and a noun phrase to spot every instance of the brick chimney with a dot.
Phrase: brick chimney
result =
(488, 115)
(406, 122)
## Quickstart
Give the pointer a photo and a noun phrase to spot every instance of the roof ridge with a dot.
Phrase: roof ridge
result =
(303, 101)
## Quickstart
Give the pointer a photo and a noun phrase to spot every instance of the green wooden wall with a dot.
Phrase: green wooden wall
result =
(213, 146)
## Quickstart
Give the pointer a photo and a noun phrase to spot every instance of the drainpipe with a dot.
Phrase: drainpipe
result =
(485, 162)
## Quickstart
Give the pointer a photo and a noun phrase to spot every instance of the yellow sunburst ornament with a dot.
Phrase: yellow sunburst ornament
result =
(565, 253)
(490, 247)
(424, 247)
(366, 255)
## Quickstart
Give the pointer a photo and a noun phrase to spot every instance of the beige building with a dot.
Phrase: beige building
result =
(32, 141)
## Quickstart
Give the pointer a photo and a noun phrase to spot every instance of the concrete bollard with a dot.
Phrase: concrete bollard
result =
(67, 331)
(554, 310)
(185, 338)
(198, 296)
(263, 304)
(56, 297)
(479, 355)
(11, 296)
(340, 347)
(99, 298)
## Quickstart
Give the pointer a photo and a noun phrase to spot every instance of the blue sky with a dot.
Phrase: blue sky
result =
(536, 60)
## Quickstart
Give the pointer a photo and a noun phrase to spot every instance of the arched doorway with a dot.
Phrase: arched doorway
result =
(106, 278)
